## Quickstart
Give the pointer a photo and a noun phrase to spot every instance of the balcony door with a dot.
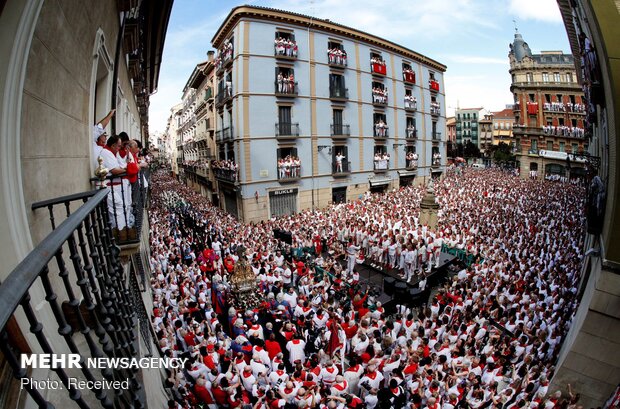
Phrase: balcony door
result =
(284, 120)
(337, 117)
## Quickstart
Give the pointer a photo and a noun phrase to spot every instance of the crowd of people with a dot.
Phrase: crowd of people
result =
(337, 56)
(289, 167)
(285, 47)
(488, 338)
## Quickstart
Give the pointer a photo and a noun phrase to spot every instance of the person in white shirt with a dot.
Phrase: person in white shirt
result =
(100, 136)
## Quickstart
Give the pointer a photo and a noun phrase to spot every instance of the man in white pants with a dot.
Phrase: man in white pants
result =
(352, 250)
(116, 208)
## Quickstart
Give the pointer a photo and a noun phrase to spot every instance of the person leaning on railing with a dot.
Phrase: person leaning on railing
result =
(120, 218)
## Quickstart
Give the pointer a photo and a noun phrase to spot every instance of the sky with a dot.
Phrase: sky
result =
(470, 37)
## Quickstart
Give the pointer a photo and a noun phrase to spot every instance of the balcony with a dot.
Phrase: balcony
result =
(411, 103)
(409, 76)
(285, 49)
(287, 130)
(533, 152)
(226, 174)
(337, 58)
(382, 164)
(435, 109)
(564, 107)
(411, 161)
(286, 88)
(224, 135)
(76, 273)
(564, 131)
(532, 108)
(377, 67)
(411, 132)
(381, 131)
(379, 97)
(516, 107)
(341, 169)
(340, 131)
(436, 160)
(224, 57)
(521, 130)
(433, 85)
(224, 95)
(209, 94)
(288, 170)
(338, 93)
(436, 136)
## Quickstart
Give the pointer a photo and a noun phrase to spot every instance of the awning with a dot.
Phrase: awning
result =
(379, 182)
(407, 172)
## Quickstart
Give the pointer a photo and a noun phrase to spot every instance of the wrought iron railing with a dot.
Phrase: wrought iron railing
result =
(78, 261)
(340, 129)
(342, 168)
(288, 129)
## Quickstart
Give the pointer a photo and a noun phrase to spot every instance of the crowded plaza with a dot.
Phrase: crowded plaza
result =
(317, 337)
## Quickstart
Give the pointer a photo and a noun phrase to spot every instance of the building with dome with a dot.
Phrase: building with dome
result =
(549, 112)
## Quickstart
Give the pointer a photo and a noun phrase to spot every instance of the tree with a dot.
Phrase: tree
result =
(503, 153)
(470, 150)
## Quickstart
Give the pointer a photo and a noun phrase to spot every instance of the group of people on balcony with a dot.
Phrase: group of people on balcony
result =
(564, 107)
(568, 131)
(286, 83)
(379, 95)
(226, 168)
(289, 167)
(224, 54)
(382, 160)
(412, 160)
(318, 339)
(408, 74)
(377, 61)
(337, 56)
(381, 129)
(411, 102)
(435, 108)
(436, 159)
(286, 47)
(121, 157)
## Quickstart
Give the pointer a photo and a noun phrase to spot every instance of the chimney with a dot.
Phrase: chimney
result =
(210, 55)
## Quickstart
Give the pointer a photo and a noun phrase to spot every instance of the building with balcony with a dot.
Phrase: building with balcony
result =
(549, 111)
(485, 126)
(199, 148)
(330, 112)
(70, 283)
(467, 129)
(502, 126)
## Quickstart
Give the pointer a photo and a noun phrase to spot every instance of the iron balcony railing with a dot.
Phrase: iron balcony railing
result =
(129, 200)
(86, 290)
(380, 131)
(228, 175)
(381, 165)
(338, 93)
(411, 133)
(286, 88)
(337, 58)
(341, 130)
(288, 172)
(411, 105)
(287, 129)
(436, 136)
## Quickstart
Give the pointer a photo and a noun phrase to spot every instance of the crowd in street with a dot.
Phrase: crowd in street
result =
(488, 338)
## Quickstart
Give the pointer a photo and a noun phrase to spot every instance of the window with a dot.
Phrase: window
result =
(377, 64)
(548, 98)
(545, 77)
(556, 77)
(534, 145)
(560, 121)
(340, 163)
(549, 145)
(496, 125)
(336, 55)
(573, 123)
(574, 148)
(528, 77)
(408, 74)
(336, 86)
(381, 158)
(501, 126)
(338, 128)
(569, 77)
(379, 93)
(380, 125)
(285, 81)
(562, 147)
(431, 75)
(559, 97)
(284, 119)
(572, 99)
(532, 97)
